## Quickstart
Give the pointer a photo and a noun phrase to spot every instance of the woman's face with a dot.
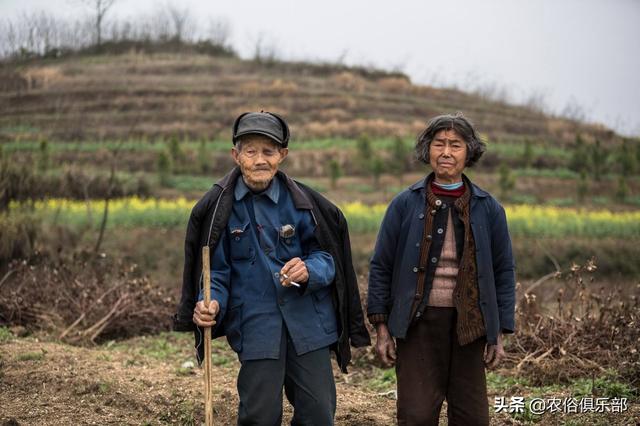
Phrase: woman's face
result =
(447, 156)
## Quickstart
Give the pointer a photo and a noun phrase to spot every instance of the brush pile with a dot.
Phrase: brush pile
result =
(589, 332)
(82, 299)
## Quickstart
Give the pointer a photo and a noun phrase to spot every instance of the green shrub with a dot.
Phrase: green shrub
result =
(44, 157)
(507, 181)
(622, 191)
(527, 154)
(165, 168)
(399, 153)
(376, 166)
(582, 188)
(5, 334)
(335, 172)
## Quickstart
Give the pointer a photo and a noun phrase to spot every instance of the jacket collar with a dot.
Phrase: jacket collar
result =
(476, 191)
(300, 199)
(272, 192)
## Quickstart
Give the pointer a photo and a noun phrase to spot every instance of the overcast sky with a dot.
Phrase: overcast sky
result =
(578, 53)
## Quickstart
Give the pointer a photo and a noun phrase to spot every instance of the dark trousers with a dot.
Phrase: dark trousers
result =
(308, 384)
(431, 366)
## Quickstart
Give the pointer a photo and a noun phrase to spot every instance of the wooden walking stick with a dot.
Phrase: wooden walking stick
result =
(208, 392)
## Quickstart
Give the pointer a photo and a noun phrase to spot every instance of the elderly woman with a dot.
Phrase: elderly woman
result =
(442, 282)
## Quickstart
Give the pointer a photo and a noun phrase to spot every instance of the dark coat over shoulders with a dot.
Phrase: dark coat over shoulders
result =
(207, 222)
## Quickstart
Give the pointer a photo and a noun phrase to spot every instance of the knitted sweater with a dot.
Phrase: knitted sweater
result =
(444, 279)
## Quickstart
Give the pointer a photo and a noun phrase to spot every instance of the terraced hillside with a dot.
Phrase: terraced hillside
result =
(196, 96)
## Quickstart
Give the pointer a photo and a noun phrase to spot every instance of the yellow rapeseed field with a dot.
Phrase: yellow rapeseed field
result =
(524, 220)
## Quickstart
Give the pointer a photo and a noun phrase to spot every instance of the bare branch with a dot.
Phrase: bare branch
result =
(100, 9)
(182, 20)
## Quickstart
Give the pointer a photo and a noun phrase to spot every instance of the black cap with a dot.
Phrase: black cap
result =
(262, 123)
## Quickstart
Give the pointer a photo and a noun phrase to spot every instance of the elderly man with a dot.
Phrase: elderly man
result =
(442, 282)
(283, 288)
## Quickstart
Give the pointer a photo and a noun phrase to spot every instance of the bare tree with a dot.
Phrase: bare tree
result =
(219, 31)
(8, 38)
(181, 20)
(574, 111)
(100, 9)
(537, 101)
(158, 27)
(265, 49)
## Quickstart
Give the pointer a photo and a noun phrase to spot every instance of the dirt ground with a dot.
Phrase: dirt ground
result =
(140, 382)
(144, 381)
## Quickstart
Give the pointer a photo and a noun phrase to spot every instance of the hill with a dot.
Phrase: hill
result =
(150, 95)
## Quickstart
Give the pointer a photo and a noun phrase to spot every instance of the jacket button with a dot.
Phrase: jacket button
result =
(429, 237)
(444, 206)
(438, 203)
(415, 269)
(433, 212)
(276, 274)
(417, 244)
(440, 230)
(237, 238)
(421, 216)
(434, 260)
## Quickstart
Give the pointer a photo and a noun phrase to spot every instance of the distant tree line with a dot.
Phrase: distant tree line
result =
(590, 161)
(42, 34)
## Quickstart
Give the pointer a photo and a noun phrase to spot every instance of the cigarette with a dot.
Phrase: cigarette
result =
(293, 283)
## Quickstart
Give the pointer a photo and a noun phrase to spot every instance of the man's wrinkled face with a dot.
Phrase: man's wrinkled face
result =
(258, 158)
(447, 156)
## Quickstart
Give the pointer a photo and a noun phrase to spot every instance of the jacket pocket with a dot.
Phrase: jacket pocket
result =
(288, 245)
(240, 242)
(324, 308)
(233, 327)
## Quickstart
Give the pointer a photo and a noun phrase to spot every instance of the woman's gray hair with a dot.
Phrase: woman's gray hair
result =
(462, 126)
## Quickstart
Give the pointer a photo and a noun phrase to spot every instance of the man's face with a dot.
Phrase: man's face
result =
(447, 156)
(258, 158)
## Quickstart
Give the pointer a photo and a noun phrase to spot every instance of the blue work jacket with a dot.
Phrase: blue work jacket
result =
(264, 232)
(394, 265)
